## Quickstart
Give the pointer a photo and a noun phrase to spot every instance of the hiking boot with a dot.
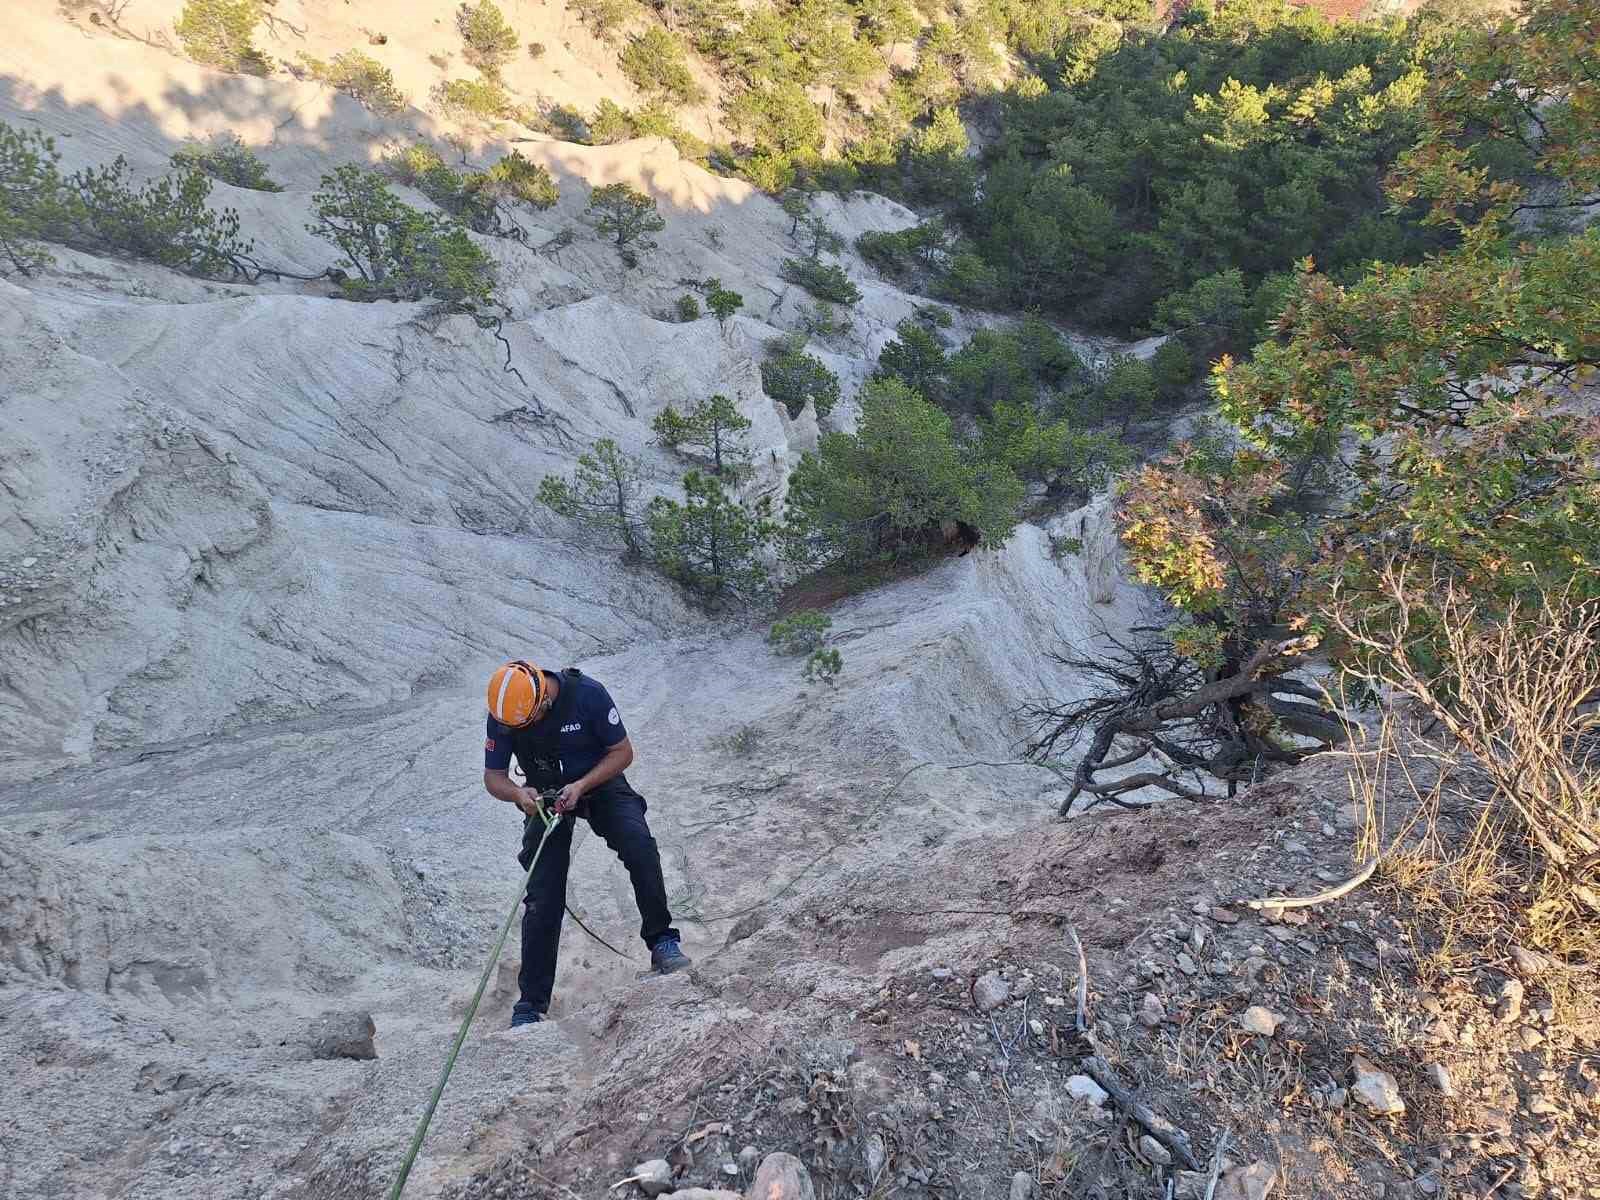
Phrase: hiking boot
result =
(667, 956)
(525, 1014)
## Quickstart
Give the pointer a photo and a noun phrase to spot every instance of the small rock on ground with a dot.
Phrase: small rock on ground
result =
(749, 1157)
(1254, 1182)
(1154, 1151)
(1081, 1087)
(1022, 1186)
(990, 992)
(700, 1193)
(1440, 1075)
(1257, 1019)
(782, 1177)
(342, 1035)
(1510, 1001)
(654, 1177)
(1151, 1011)
(1374, 1088)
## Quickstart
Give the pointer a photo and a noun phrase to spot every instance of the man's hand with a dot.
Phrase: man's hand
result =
(528, 800)
(569, 797)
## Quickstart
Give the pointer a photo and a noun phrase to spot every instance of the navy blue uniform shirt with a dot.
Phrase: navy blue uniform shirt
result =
(578, 731)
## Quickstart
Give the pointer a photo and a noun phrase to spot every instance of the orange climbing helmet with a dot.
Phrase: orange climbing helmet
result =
(517, 691)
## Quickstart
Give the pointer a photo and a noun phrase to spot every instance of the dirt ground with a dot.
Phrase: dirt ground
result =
(888, 1077)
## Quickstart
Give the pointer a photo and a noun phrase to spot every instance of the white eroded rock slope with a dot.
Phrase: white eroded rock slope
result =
(259, 547)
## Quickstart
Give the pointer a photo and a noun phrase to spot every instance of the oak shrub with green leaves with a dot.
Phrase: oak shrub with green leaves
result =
(1414, 432)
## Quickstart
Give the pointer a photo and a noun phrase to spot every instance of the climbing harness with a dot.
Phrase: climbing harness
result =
(551, 820)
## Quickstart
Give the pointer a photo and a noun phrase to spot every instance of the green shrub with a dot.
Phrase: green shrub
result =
(917, 358)
(485, 98)
(723, 304)
(34, 202)
(715, 426)
(777, 119)
(688, 308)
(824, 666)
(709, 543)
(801, 633)
(625, 214)
(612, 123)
(825, 281)
(361, 77)
(164, 221)
(603, 17)
(1174, 369)
(514, 177)
(822, 320)
(654, 63)
(474, 196)
(488, 40)
(535, 49)
(1128, 389)
(218, 33)
(886, 490)
(396, 251)
(792, 377)
(655, 120)
(602, 496)
(226, 158)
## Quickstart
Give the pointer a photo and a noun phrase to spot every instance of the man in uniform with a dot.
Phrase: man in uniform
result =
(565, 732)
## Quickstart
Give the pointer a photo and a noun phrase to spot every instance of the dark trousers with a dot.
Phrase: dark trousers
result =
(616, 812)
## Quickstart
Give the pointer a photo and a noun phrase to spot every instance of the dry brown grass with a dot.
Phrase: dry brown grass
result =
(1497, 827)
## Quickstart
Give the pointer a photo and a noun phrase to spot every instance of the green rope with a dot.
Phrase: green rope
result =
(550, 823)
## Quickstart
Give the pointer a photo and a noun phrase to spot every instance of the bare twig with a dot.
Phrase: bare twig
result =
(1333, 893)
(1082, 1014)
(1216, 1165)
(1163, 1130)
(1498, 1183)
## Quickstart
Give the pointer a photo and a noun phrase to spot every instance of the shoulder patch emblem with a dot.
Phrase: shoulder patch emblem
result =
(613, 718)
(488, 743)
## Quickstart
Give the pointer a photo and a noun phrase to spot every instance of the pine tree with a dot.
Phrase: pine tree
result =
(602, 496)
(709, 542)
(715, 426)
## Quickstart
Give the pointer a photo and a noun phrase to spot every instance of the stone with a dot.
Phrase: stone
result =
(1528, 962)
(1022, 1186)
(1197, 939)
(1187, 965)
(1439, 1076)
(749, 1157)
(700, 1193)
(782, 1177)
(1253, 1182)
(990, 992)
(739, 985)
(1154, 1152)
(1543, 1106)
(942, 973)
(1081, 1087)
(1510, 1006)
(1529, 1037)
(1257, 1019)
(654, 1177)
(342, 1035)
(1374, 1088)
(876, 1155)
(1151, 1011)
(1224, 916)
